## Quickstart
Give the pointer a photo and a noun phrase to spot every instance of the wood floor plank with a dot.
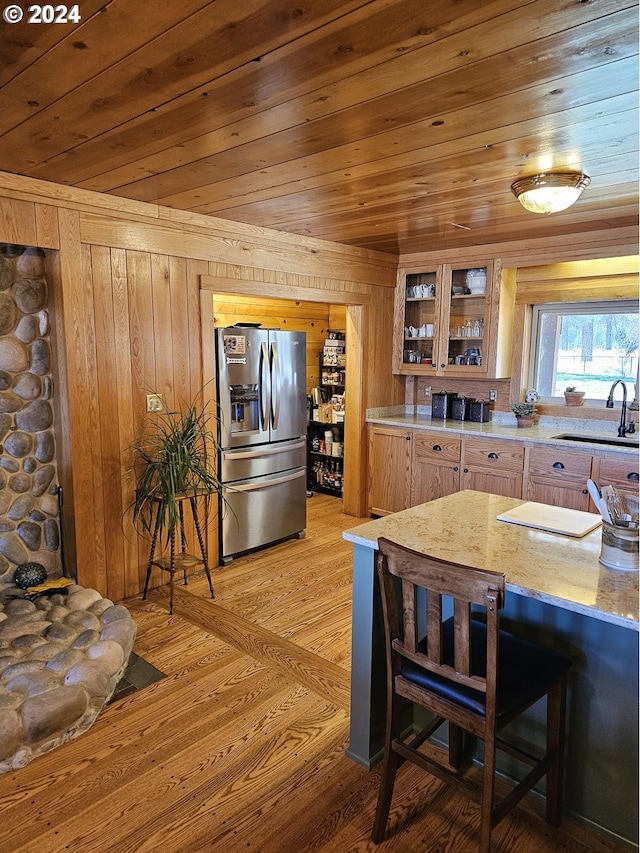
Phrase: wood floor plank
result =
(317, 674)
(286, 823)
(177, 711)
(223, 797)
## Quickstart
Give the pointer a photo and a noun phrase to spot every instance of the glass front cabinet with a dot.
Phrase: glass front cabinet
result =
(448, 321)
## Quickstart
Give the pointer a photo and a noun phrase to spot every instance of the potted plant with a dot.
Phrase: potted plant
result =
(573, 397)
(525, 414)
(176, 458)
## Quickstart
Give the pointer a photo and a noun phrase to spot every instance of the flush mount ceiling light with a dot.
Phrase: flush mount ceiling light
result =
(549, 193)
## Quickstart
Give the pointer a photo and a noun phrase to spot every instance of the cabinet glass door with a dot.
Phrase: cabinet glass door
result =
(466, 321)
(420, 318)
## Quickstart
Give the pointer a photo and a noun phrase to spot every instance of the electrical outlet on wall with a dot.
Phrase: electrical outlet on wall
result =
(493, 396)
(427, 391)
(155, 403)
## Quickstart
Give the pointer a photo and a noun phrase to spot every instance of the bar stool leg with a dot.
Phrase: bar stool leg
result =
(556, 712)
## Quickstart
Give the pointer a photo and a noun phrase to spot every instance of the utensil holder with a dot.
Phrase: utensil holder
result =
(619, 547)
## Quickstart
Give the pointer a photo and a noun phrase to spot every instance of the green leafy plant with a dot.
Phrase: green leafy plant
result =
(521, 409)
(175, 458)
(570, 389)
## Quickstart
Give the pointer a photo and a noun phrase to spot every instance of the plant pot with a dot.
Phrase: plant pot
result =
(573, 398)
(525, 421)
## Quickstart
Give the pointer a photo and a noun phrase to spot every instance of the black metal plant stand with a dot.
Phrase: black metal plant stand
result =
(181, 561)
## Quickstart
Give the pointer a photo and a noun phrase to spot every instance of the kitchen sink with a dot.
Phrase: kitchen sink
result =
(591, 439)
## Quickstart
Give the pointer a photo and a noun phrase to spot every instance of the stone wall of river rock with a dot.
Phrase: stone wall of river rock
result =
(29, 511)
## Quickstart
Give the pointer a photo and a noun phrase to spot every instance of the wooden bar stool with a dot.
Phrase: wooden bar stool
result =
(467, 672)
(181, 561)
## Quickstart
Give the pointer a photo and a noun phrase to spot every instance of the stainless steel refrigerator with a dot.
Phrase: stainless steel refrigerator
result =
(261, 385)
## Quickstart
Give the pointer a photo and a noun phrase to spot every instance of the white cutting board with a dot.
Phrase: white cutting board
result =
(556, 519)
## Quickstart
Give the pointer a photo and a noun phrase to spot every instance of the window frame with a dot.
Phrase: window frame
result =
(601, 306)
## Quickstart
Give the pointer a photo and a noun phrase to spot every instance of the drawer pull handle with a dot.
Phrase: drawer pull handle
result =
(436, 447)
(585, 491)
(492, 455)
(408, 437)
(465, 470)
(633, 476)
(558, 465)
(455, 467)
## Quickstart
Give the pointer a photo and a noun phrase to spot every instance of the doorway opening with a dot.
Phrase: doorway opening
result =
(353, 305)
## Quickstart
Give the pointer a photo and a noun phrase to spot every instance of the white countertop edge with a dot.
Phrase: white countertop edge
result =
(589, 610)
(360, 540)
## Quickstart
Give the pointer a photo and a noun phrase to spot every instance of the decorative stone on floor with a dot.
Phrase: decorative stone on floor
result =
(61, 658)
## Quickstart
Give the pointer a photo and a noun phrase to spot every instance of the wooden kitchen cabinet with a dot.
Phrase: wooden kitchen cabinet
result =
(443, 329)
(559, 477)
(619, 472)
(389, 469)
(408, 467)
(491, 465)
(435, 467)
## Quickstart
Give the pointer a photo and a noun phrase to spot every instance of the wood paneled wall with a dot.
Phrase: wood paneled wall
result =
(579, 281)
(126, 298)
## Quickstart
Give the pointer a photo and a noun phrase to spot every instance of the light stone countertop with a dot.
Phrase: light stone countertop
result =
(560, 570)
(503, 425)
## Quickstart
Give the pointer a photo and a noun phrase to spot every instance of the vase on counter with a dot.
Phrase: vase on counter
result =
(526, 414)
(525, 420)
(573, 398)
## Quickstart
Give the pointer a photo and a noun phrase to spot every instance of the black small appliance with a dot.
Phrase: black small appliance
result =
(441, 403)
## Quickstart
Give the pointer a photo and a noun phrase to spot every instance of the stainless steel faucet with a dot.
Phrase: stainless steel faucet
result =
(623, 429)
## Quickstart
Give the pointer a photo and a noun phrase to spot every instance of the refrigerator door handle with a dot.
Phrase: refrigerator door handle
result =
(261, 452)
(263, 484)
(275, 386)
(263, 388)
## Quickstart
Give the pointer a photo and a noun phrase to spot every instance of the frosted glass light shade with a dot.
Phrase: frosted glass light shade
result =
(550, 193)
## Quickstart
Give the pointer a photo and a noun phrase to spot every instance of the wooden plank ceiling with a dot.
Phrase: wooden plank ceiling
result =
(396, 125)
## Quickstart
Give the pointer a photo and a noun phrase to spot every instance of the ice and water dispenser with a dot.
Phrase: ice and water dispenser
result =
(245, 409)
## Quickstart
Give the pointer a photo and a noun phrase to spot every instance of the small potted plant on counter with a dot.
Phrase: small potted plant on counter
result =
(573, 397)
(525, 414)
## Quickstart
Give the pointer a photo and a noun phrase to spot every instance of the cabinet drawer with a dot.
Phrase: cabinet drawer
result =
(494, 454)
(436, 448)
(619, 472)
(559, 463)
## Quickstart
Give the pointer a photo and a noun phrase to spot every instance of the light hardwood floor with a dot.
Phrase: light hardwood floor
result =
(241, 747)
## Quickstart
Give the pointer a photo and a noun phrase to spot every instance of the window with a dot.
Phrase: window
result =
(586, 344)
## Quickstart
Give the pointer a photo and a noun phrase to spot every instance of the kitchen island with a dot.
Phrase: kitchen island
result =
(558, 594)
